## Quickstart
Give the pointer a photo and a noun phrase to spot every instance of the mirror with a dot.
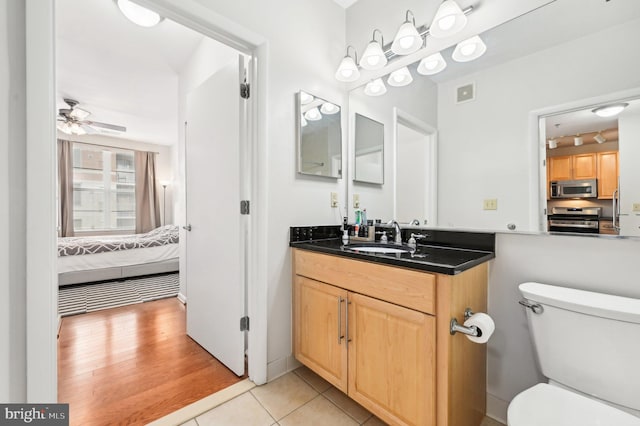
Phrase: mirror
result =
(319, 136)
(489, 149)
(369, 150)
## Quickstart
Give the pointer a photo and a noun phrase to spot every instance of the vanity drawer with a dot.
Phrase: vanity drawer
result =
(404, 287)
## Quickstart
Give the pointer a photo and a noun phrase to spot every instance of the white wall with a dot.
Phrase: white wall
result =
(629, 125)
(13, 205)
(164, 164)
(485, 150)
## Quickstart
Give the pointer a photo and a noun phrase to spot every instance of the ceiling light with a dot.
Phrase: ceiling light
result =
(432, 64)
(599, 138)
(305, 98)
(375, 88)
(77, 130)
(348, 69)
(313, 114)
(609, 110)
(469, 49)
(407, 38)
(553, 143)
(448, 21)
(138, 15)
(577, 141)
(373, 57)
(79, 113)
(329, 108)
(63, 126)
(400, 77)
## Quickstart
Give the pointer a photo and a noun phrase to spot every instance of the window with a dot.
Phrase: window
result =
(103, 189)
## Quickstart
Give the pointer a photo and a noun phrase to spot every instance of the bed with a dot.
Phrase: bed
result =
(99, 258)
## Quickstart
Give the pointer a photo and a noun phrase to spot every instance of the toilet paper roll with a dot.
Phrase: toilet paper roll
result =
(483, 322)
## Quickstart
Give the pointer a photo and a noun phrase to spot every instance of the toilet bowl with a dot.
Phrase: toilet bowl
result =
(549, 405)
(586, 345)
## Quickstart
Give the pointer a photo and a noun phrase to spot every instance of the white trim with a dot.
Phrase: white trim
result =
(182, 298)
(41, 159)
(401, 117)
(41, 283)
(497, 408)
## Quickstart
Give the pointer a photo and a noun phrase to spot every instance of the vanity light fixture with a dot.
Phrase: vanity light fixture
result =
(407, 39)
(373, 57)
(375, 88)
(348, 69)
(599, 138)
(553, 143)
(329, 108)
(577, 141)
(303, 121)
(305, 98)
(138, 15)
(449, 20)
(313, 114)
(400, 77)
(610, 110)
(432, 64)
(469, 49)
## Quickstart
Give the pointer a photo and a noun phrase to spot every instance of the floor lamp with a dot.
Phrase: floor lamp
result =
(164, 184)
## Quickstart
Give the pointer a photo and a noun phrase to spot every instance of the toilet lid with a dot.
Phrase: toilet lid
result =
(549, 405)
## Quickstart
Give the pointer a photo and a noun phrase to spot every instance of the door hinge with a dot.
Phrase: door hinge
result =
(244, 207)
(245, 90)
(244, 324)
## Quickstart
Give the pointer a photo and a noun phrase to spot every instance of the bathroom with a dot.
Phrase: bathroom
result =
(495, 158)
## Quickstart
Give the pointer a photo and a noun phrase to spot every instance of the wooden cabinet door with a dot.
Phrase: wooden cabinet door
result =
(560, 168)
(607, 174)
(392, 361)
(584, 166)
(319, 327)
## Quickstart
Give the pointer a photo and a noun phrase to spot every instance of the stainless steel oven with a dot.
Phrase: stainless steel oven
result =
(584, 220)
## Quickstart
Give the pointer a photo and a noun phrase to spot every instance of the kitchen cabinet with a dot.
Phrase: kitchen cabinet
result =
(571, 167)
(607, 174)
(380, 334)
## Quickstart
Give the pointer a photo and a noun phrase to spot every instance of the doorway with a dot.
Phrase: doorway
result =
(41, 310)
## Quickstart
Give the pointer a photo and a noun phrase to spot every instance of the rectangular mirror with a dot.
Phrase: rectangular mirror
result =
(319, 136)
(369, 150)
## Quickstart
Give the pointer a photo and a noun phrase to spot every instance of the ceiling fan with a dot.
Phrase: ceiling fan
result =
(73, 121)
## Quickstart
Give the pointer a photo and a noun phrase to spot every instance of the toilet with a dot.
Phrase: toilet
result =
(588, 346)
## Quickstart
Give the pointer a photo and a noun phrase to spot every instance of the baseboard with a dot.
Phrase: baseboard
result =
(182, 298)
(281, 366)
(497, 408)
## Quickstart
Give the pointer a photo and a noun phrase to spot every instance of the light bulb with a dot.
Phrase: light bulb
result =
(400, 77)
(305, 98)
(373, 57)
(469, 49)
(432, 64)
(313, 114)
(329, 108)
(448, 20)
(375, 88)
(138, 14)
(348, 70)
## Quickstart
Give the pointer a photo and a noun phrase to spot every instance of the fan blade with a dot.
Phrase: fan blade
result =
(90, 130)
(106, 126)
(79, 113)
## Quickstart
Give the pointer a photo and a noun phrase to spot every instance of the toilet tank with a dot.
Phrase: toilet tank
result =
(587, 341)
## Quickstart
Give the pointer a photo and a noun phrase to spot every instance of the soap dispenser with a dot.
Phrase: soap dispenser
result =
(412, 241)
(383, 238)
(345, 237)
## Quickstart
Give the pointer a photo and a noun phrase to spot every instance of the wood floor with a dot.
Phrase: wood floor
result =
(134, 364)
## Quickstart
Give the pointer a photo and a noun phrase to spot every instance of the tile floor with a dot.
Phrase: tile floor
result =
(297, 398)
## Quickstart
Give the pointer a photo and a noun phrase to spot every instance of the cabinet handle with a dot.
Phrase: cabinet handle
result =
(347, 320)
(340, 336)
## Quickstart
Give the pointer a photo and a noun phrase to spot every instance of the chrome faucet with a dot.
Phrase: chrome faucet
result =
(398, 237)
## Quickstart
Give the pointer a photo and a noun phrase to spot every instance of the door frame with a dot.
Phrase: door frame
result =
(403, 118)
(41, 253)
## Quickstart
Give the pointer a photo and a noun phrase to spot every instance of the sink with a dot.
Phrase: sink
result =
(379, 248)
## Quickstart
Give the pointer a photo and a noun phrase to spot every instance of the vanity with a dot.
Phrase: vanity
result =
(377, 325)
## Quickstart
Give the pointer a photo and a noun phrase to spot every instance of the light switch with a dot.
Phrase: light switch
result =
(334, 199)
(356, 201)
(490, 204)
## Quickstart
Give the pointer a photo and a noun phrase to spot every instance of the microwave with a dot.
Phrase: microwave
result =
(583, 188)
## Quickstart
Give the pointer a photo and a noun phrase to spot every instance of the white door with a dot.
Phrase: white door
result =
(215, 241)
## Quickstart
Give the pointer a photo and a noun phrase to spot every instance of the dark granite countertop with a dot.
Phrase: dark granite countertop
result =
(442, 259)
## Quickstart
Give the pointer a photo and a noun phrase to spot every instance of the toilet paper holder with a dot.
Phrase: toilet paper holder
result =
(455, 327)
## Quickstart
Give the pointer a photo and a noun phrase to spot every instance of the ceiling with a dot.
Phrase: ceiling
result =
(122, 73)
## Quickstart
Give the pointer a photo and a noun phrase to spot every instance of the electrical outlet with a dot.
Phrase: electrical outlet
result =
(334, 199)
(490, 204)
(636, 207)
(356, 201)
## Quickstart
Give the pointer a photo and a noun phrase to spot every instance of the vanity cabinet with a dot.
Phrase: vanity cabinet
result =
(381, 335)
